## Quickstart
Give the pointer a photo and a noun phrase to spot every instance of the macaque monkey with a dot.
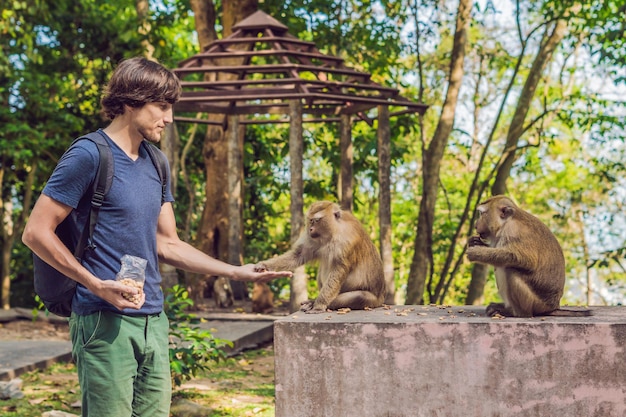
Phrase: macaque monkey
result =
(527, 258)
(223, 293)
(350, 273)
(262, 298)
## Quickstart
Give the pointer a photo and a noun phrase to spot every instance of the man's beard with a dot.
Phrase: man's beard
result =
(152, 137)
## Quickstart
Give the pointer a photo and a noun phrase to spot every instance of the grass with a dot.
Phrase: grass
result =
(55, 388)
(240, 386)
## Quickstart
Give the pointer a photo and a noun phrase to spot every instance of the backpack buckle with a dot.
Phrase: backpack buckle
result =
(97, 199)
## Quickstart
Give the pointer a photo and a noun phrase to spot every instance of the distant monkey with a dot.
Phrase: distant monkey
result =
(527, 258)
(223, 293)
(262, 298)
(350, 273)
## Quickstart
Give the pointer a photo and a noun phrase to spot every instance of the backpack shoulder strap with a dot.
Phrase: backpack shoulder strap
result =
(104, 175)
(101, 185)
(158, 159)
(104, 179)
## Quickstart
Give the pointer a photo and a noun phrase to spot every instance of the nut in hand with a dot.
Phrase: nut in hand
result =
(134, 298)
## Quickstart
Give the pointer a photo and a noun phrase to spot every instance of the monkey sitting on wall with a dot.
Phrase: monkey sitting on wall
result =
(527, 258)
(350, 273)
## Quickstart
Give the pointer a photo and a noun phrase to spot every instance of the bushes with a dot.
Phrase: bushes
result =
(192, 349)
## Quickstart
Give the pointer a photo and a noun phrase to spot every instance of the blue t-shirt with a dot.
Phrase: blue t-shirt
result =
(127, 221)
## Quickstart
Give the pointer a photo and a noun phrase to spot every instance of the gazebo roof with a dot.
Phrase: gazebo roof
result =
(258, 69)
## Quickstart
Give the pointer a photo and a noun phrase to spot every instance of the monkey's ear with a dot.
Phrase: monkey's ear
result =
(337, 214)
(506, 212)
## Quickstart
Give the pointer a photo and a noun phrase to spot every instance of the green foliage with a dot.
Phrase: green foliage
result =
(266, 213)
(245, 386)
(56, 56)
(53, 388)
(240, 386)
(192, 349)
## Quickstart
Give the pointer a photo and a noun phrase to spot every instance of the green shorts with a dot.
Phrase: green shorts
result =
(123, 364)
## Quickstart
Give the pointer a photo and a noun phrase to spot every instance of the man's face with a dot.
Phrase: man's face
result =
(152, 118)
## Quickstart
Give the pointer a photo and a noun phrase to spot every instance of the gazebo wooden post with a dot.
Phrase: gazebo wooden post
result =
(234, 159)
(296, 150)
(384, 199)
(235, 190)
(345, 143)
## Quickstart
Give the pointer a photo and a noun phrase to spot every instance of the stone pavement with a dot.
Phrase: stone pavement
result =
(246, 331)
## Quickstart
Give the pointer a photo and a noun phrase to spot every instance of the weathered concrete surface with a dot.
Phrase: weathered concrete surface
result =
(415, 361)
(17, 357)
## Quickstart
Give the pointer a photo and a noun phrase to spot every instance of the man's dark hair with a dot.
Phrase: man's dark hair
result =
(137, 81)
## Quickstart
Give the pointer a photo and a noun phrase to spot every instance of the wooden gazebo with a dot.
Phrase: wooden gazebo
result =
(263, 74)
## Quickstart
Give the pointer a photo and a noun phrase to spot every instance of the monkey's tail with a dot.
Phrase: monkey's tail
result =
(570, 312)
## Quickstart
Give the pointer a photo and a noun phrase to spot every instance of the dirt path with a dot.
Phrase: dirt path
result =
(23, 329)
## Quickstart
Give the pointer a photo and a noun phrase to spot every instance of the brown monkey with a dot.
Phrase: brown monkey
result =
(350, 273)
(223, 293)
(262, 298)
(527, 258)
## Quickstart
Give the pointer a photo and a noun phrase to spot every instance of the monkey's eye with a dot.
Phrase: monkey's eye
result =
(315, 220)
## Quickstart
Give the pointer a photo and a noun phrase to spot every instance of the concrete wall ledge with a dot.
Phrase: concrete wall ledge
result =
(414, 361)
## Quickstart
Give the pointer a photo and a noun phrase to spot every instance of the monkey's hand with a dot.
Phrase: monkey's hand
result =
(476, 241)
(316, 311)
(498, 309)
(473, 253)
(311, 307)
(261, 267)
(306, 305)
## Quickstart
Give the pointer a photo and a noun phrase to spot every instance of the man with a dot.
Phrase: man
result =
(121, 347)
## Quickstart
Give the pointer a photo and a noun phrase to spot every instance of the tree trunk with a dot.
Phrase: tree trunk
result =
(170, 145)
(6, 277)
(347, 152)
(214, 228)
(11, 228)
(548, 45)
(298, 292)
(212, 236)
(143, 7)
(235, 11)
(235, 203)
(204, 18)
(6, 208)
(235, 190)
(516, 129)
(422, 265)
(476, 287)
(384, 201)
(170, 142)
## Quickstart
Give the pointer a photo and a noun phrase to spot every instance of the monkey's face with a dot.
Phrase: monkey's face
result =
(488, 223)
(316, 226)
(322, 217)
(492, 215)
